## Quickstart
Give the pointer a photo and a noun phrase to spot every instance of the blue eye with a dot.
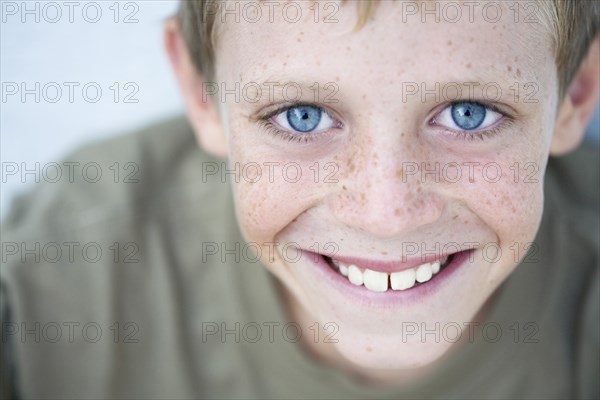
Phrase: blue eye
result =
(304, 118)
(467, 116)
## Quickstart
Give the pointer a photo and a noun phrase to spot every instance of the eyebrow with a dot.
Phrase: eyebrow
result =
(510, 91)
(517, 84)
(281, 88)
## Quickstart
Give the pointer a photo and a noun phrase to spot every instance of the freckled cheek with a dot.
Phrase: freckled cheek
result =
(268, 202)
(512, 210)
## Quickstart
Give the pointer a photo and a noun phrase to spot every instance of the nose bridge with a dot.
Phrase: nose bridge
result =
(378, 195)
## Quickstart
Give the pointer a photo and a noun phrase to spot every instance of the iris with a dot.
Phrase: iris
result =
(467, 115)
(304, 118)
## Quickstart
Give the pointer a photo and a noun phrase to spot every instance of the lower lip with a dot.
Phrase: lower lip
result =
(389, 298)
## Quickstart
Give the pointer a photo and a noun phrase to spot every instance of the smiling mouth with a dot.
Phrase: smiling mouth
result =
(377, 281)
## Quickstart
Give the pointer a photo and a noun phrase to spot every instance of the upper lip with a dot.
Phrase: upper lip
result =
(390, 266)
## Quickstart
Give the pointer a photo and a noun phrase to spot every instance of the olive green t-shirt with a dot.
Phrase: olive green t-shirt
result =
(131, 286)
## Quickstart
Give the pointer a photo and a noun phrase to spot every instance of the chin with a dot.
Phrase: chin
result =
(390, 353)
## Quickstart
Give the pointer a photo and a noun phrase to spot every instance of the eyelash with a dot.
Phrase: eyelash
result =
(505, 122)
(470, 136)
(270, 128)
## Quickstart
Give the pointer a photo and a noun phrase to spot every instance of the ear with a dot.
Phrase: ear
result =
(201, 112)
(578, 104)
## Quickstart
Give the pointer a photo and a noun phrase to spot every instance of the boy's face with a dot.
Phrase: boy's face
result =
(380, 167)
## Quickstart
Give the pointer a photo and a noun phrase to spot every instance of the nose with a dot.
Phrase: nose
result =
(379, 197)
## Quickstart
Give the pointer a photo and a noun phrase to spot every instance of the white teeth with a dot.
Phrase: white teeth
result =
(375, 281)
(424, 273)
(403, 280)
(355, 275)
(343, 269)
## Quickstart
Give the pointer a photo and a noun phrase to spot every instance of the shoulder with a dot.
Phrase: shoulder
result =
(573, 181)
(572, 218)
(572, 198)
(572, 211)
(114, 242)
(111, 181)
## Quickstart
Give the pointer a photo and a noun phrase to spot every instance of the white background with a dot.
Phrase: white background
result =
(103, 52)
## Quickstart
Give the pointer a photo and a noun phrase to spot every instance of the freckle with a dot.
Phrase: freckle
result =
(509, 68)
(456, 216)
(402, 134)
(344, 187)
(466, 222)
(516, 59)
(384, 253)
(347, 48)
(449, 42)
(369, 349)
(299, 40)
(397, 212)
(518, 72)
(351, 166)
(337, 78)
(399, 173)
(364, 96)
(469, 65)
(472, 39)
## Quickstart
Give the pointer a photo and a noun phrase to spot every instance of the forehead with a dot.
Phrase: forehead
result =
(414, 41)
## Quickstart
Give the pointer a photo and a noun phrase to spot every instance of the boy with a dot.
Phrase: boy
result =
(390, 174)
